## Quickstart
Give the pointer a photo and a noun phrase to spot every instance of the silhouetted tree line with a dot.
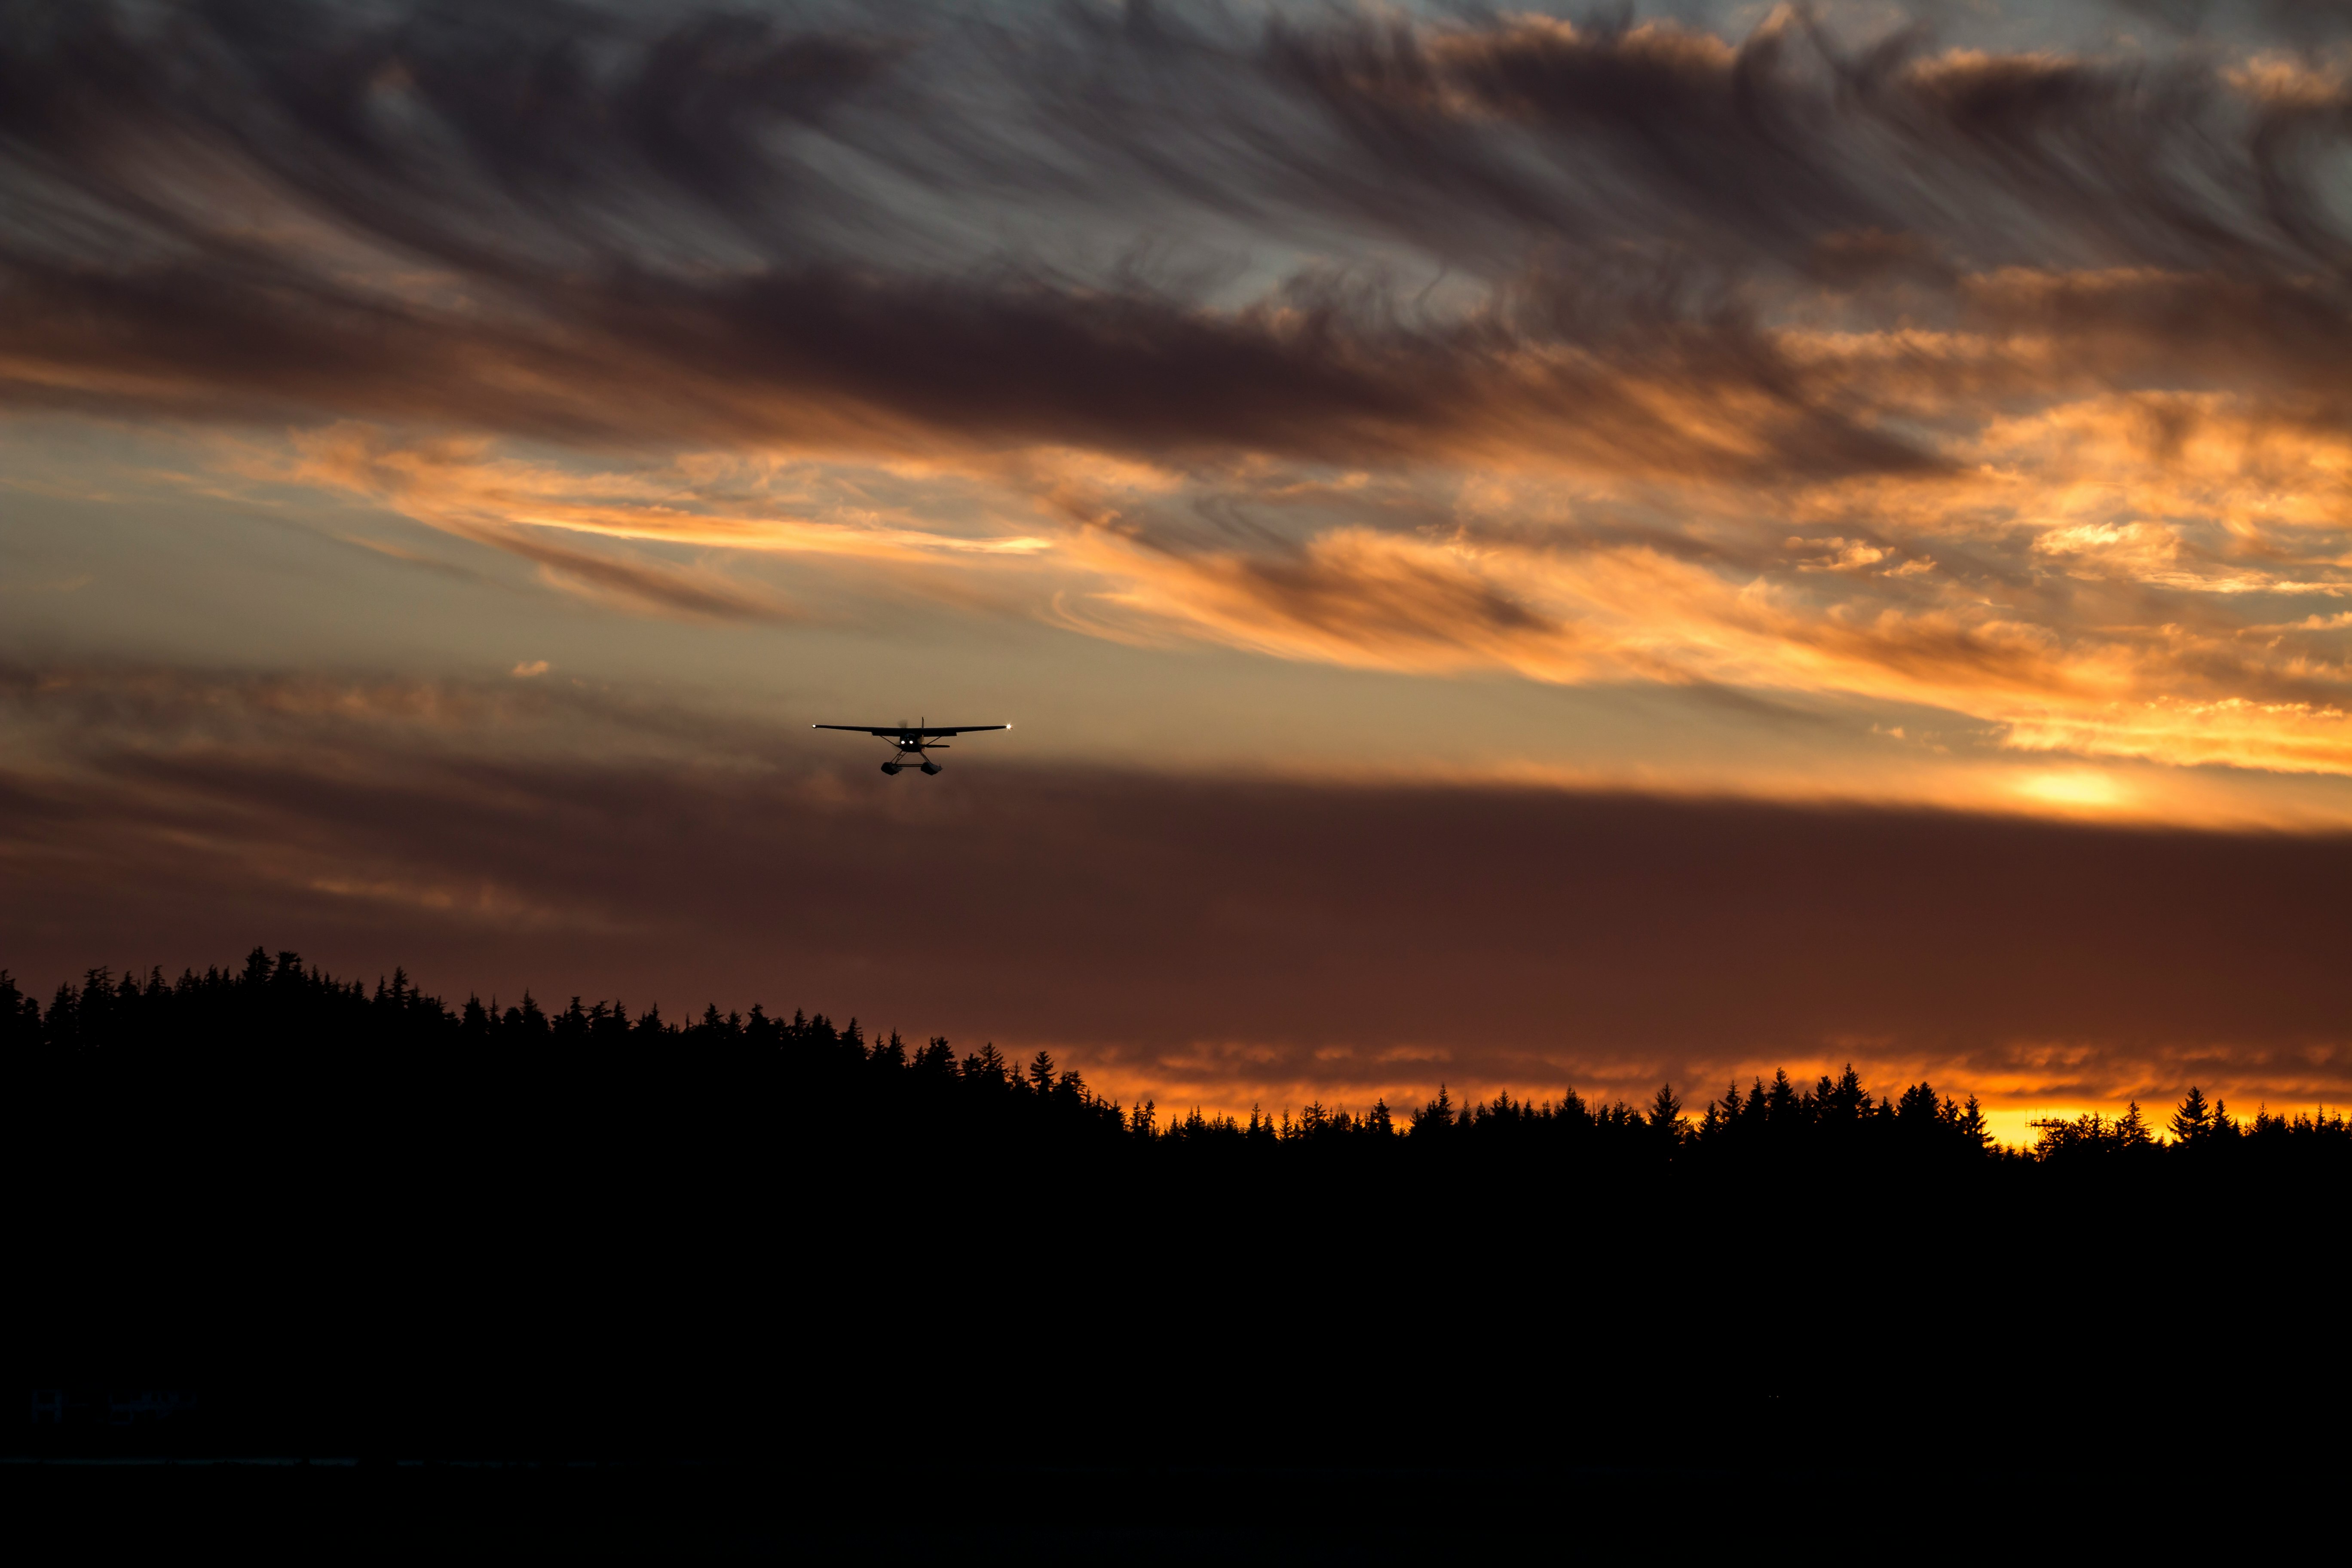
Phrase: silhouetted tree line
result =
(351, 1217)
(276, 1007)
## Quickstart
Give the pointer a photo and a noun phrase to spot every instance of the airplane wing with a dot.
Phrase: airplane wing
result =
(899, 730)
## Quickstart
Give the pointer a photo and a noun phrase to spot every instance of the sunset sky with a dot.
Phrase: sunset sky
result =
(1522, 549)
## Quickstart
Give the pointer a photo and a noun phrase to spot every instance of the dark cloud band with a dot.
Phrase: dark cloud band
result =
(1165, 930)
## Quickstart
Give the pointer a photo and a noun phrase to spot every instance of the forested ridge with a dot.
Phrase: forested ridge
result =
(354, 1218)
(275, 1007)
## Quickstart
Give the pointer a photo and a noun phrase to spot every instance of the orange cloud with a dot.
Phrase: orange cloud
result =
(2103, 576)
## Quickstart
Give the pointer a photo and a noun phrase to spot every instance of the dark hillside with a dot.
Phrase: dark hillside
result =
(353, 1221)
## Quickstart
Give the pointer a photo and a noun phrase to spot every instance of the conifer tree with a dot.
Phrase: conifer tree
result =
(2194, 1120)
(1972, 1126)
(1666, 1115)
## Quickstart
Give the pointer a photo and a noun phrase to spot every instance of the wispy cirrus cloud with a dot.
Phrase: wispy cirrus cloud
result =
(579, 525)
(2008, 382)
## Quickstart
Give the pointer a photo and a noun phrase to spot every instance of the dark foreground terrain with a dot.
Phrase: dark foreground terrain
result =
(379, 1273)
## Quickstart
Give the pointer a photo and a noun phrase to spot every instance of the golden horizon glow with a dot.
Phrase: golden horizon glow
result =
(2009, 1118)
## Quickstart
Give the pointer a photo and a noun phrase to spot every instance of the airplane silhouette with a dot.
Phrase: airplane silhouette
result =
(913, 742)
